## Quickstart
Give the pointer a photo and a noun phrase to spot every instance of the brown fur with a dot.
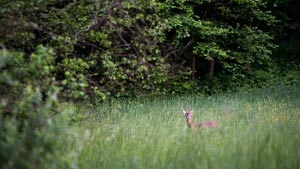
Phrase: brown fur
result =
(193, 125)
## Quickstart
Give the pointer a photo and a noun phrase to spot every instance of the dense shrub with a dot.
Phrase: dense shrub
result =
(32, 121)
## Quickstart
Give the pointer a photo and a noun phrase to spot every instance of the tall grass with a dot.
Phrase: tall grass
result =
(258, 129)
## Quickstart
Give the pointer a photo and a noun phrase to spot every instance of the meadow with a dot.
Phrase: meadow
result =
(257, 129)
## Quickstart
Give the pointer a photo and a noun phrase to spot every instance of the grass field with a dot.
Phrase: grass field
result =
(257, 129)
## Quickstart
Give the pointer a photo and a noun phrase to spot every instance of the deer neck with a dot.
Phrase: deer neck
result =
(189, 122)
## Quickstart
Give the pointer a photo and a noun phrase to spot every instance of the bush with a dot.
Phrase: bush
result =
(32, 120)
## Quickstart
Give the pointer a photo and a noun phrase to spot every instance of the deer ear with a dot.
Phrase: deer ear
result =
(183, 111)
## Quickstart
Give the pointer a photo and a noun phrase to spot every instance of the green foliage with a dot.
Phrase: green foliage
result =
(132, 63)
(231, 32)
(105, 48)
(74, 81)
(16, 70)
(125, 48)
(32, 120)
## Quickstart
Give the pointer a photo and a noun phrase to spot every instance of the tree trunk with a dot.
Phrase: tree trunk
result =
(193, 67)
(211, 71)
(211, 75)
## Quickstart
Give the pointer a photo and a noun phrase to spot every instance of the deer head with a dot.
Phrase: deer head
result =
(188, 114)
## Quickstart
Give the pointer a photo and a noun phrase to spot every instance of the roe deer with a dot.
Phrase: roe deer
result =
(188, 115)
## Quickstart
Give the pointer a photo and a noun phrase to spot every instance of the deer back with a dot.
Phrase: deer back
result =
(209, 124)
